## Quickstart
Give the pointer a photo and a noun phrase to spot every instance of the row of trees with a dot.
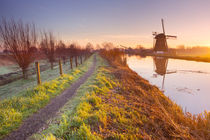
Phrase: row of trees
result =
(24, 44)
(193, 50)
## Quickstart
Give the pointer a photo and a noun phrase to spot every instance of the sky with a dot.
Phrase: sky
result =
(122, 22)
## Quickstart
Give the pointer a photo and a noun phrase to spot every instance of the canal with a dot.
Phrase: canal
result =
(185, 82)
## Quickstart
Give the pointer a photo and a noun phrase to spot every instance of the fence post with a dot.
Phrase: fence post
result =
(71, 62)
(38, 73)
(60, 66)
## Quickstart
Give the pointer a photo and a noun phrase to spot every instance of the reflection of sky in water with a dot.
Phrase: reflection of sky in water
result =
(186, 82)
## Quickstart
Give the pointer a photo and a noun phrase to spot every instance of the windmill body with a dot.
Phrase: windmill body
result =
(160, 41)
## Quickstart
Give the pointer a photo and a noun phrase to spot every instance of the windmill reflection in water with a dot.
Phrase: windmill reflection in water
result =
(160, 67)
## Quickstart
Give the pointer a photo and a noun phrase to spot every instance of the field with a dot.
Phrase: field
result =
(6, 65)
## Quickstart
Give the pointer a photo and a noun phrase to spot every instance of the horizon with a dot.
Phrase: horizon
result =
(120, 22)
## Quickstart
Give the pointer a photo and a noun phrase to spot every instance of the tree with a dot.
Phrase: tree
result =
(108, 45)
(48, 46)
(18, 39)
(74, 50)
(61, 50)
(89, 47)
(98, 47)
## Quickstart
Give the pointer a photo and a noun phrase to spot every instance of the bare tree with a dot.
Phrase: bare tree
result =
(74, 52)
(108, 45)
(18, 39)
(48, 46)
(61, 51)
(88, 49)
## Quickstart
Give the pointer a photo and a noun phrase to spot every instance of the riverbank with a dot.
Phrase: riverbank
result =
(116, 103)
(183, 57)
(164, 118)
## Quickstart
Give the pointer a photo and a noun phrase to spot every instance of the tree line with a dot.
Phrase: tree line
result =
(24, 44)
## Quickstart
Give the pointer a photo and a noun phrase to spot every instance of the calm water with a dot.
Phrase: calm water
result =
(185, 82)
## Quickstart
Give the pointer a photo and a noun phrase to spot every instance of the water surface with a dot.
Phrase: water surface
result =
(185, 82)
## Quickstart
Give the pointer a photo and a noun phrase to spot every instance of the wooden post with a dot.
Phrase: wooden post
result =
(38, 73)
(60, 66)
(71, 62)
(76, 60)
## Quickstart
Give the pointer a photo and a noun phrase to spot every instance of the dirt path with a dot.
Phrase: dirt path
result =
(32, 124)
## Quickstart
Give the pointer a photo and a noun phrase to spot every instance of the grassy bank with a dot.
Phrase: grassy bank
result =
(116, 103)
(15, 109)
(163, 118)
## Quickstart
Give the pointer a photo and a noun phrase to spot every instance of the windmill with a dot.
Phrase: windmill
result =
(160, 40)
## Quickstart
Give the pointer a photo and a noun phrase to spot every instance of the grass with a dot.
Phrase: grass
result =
(102, 113)
(15, 109)
(20, 86)
(115, 103)
(6, 69)
(160, 118)
(77, 112)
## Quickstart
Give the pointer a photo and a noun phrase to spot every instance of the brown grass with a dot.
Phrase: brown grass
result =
(144, 107)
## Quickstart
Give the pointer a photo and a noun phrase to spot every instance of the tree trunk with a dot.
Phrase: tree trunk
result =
(76, 60)
(25, 75)
(51, 65)
(81, 59)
